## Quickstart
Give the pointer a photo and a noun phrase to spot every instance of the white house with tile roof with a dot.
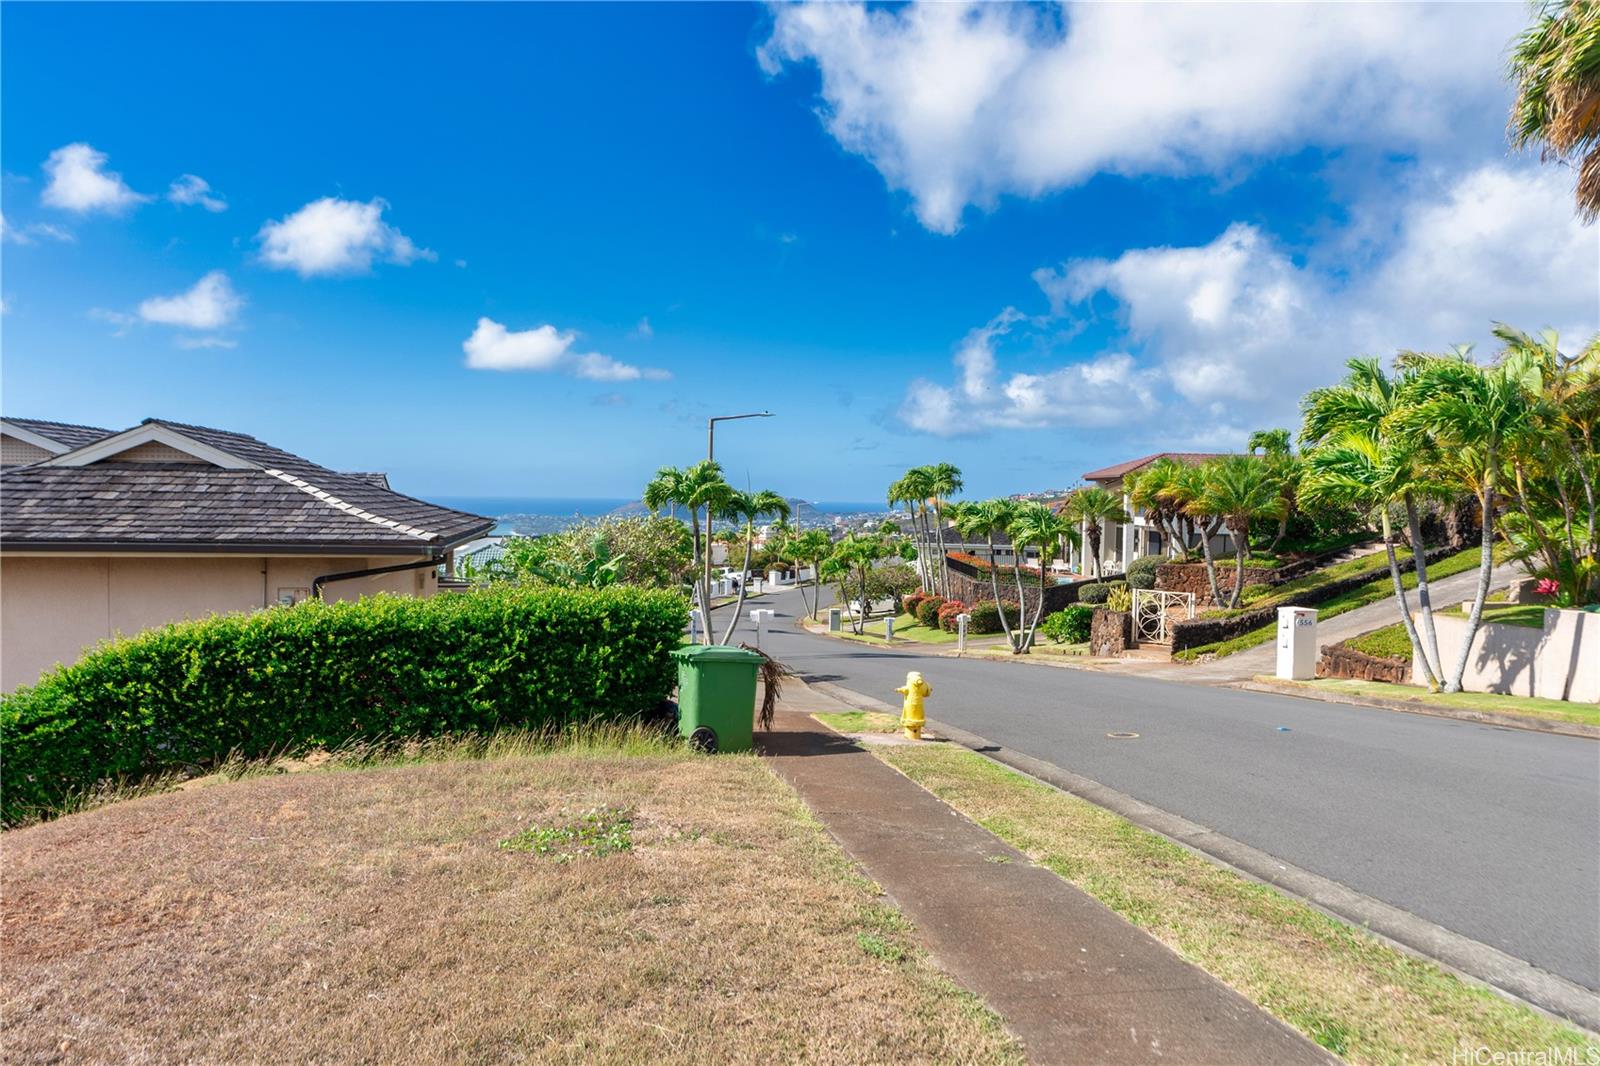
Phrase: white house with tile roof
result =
(105, 533)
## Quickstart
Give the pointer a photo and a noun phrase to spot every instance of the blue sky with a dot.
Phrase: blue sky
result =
(500, 249)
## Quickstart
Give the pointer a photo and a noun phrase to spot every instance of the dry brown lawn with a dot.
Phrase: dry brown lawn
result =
(342, 915)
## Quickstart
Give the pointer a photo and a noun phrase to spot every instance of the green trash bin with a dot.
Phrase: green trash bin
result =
(717, 696)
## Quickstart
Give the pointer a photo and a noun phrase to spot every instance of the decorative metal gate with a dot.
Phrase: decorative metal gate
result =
(1154, 611)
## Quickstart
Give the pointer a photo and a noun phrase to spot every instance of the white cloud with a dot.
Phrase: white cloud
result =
(1105, 390)
(960, 104)
(330, 236)
(644, 331)
(79, 182)
(192, 191)
(210, 304)
(545, 348)
(1210, 338)
(207, 342)
(34, 232)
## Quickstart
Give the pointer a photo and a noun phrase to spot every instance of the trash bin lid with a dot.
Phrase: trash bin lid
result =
(714, 653)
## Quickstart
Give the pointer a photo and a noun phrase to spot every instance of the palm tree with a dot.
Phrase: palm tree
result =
(1092, 506)
(1365, 405)
(1187, 492)
(988, 517)
(1556, 65)
(1150, 491)
(747, 507)
(1241, 489)
(1039, 525)
(1358, 469)
(704, 488)
(945, 481)
(1477, 415)
(812, 547)
(669, 488)
(913, 489)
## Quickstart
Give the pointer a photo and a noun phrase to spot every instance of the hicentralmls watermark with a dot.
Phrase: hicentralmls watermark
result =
(1544, 1056)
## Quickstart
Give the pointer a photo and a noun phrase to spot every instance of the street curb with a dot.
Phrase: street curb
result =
(1502, 721)
(1467, 958)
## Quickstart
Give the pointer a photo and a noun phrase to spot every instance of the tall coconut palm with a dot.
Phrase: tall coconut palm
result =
(1039, 525)
(945, 481)
(986, 518)
(706, 490)
(1482, 414)
(1092, 507)
(746, 507)
(1556, 65)
(1365, 405)
(1241, 489)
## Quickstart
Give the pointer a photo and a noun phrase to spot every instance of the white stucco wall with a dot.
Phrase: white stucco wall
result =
(1559, 662)
(53, 608)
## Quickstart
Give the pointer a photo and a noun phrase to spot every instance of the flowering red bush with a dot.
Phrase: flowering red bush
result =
(910, 603)
(928, 609)
(948, 612)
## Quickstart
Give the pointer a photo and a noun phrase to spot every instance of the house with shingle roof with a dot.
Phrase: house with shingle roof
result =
(106, 532)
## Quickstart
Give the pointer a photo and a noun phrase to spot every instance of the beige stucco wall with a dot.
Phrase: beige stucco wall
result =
(1559, 662)
(53, 608)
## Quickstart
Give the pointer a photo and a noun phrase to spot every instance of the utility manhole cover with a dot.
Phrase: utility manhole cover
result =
(1123, 736)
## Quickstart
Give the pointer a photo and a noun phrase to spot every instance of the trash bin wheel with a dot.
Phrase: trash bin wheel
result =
(704, 739)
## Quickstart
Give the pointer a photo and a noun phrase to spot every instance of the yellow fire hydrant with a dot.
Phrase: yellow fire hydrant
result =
(912, 715)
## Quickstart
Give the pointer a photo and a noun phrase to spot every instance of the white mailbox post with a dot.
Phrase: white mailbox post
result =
(760, 617)
(833, 620)
(1297, 643)
(961, 631)
(697, 627)
(888, 629)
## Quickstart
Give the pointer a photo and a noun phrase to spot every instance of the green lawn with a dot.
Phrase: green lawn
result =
(1378, 589)
(1360, 998)
(1391, 641)
(1528, 706)
(906, 627)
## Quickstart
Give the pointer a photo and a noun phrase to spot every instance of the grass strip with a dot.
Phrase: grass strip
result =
(1488, 702)
(1373, 591)
(1351, 993)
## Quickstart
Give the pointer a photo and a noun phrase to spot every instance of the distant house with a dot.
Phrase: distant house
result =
(105, 532)
(1123, 542)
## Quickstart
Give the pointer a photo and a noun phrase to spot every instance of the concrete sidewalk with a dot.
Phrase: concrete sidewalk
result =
(1073, 980)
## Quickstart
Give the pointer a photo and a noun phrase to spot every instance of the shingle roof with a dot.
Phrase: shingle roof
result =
(1117, 470)
(62, 432)
(290, 503)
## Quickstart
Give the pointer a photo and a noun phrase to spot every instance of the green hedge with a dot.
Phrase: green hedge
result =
(292, 678)
(1070, 625)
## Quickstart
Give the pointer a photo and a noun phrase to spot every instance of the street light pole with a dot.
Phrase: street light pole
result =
(711, 445)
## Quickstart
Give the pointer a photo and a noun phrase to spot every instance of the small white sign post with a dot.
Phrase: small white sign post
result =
(961, 631)
(888, 629)
(697, 625)
(1297, 643)
(833, 620)
(760, 617)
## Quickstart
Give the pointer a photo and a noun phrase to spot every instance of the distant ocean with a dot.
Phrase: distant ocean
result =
(557, 512)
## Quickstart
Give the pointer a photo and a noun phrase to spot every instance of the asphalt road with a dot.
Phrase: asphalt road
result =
(1492, 833)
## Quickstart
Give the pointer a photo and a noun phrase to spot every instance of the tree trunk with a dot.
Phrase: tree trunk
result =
(1094, 548)
(744, 584)
(994, 583)
(1022, 599)
(1241, 546)
(1485, 568)
(1405, 608)
(944, 569)
(1430, 647)
(1211, 562)
(816, 588)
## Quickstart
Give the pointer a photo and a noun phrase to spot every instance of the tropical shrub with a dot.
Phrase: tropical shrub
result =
(1119, 598)
(929, 610)
(892, 581)
(910, 603)
(317, 675)
(1142, 571)
(985, 617)
(1097, 591)
(947, 615)
(1070, 625)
